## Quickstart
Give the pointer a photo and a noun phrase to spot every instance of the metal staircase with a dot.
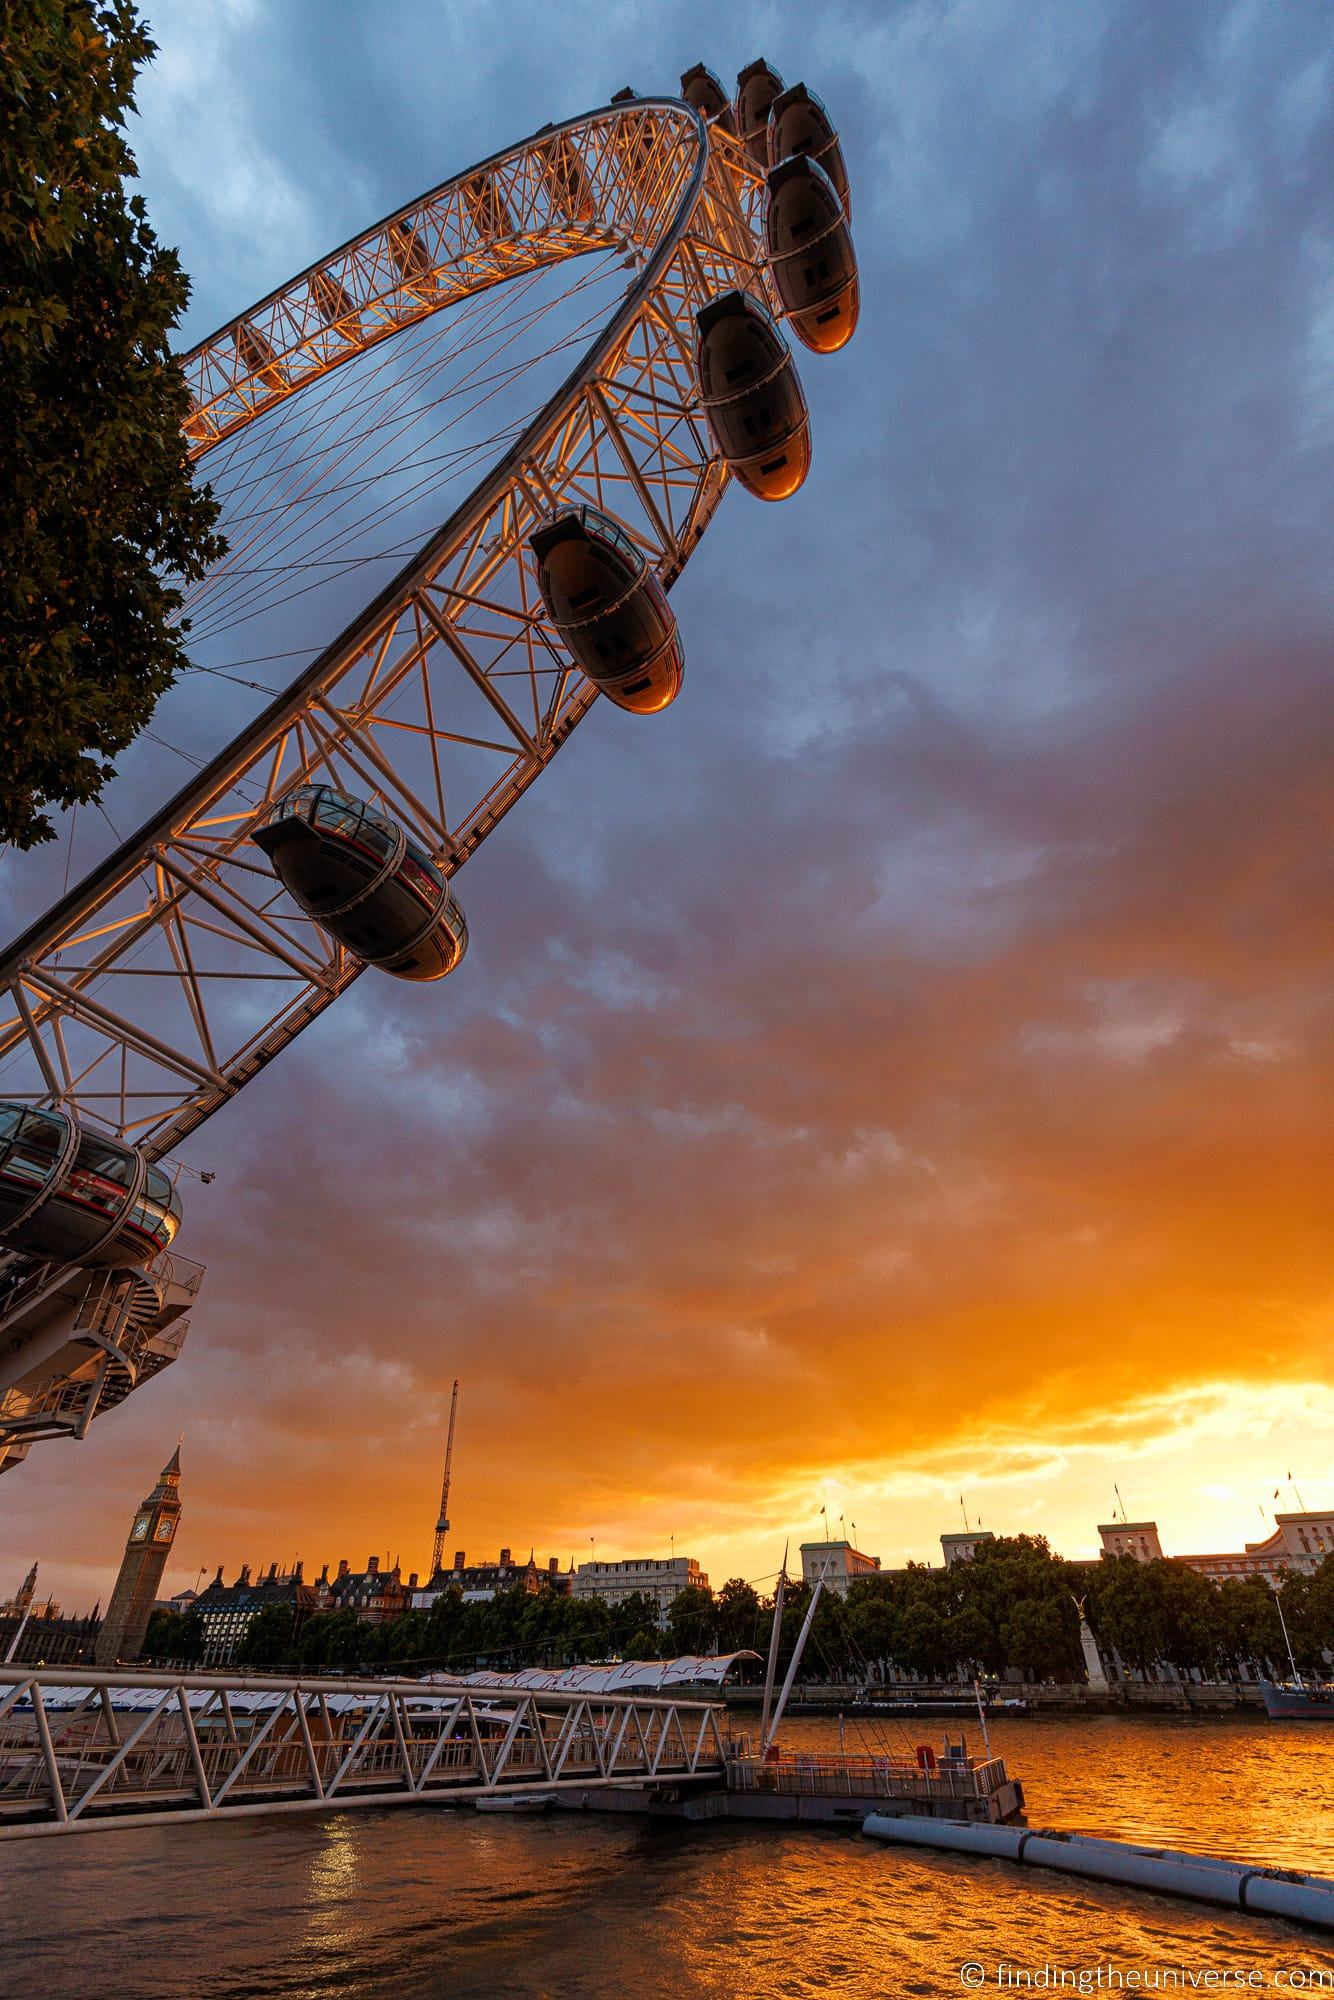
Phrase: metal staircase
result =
(113, 1329)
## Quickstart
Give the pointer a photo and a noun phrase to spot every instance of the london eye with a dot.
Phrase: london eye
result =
(686, 244)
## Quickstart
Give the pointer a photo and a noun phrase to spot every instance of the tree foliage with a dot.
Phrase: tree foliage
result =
(267, 1639)
(1010, 1609)
(1164, 1613)
(1010, 1606)
(513, 1629)
(175, 1636)
(740, 1617)
(100, 521)
(1308, 1606)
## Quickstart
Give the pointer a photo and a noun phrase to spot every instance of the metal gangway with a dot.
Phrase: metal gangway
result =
(81, 1749)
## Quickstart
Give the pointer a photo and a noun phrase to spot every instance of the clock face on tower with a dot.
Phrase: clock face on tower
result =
(162, 1532)
(140, 1529)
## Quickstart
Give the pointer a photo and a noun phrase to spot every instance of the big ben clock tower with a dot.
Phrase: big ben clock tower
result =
(149, 1544)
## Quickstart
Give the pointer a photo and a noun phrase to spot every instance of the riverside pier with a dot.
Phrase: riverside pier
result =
(85, 1749)
(832, 1790)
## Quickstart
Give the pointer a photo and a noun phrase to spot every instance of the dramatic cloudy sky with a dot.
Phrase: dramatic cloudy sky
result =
(904, 1069)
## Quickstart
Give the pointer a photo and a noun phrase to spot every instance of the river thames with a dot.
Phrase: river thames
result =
(423, 1903)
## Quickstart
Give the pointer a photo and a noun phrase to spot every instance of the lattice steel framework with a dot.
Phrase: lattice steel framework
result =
(168, 979)
(81, 1750)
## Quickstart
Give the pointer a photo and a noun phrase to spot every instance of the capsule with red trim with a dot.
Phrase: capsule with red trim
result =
(365, 881)
(72, 1195)
(752, 395)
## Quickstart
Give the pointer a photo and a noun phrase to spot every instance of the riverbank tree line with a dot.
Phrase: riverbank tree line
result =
(1011, 1610)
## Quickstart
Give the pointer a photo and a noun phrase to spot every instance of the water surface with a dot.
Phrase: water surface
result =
(417, 1903)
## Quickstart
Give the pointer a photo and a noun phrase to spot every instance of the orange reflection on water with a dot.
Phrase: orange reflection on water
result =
(421, 1903)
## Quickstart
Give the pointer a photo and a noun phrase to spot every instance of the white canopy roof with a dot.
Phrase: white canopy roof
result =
(621, 1677)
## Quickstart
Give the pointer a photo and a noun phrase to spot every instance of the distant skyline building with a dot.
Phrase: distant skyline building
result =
(1132, 1538)
(1299, 1543)
(21, 1601)
(226, 1610)
(376, 1595)
(839, 1564)
(479, 1583)
(147, 1547)
(658, 1577)
(963, 1544)
(38, 1633)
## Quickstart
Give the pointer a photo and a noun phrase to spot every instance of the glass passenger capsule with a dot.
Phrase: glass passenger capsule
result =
(799, 123)
(609, 608)
(752, 395)
(757, 85)
(811, 257)
(363, 879)
(703, 92)
(73, 1196)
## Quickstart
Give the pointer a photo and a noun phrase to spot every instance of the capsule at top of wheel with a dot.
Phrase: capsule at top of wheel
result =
(811, 256)
(799, 123)
(609, 608)
(703, 92)
(365, 881)
(752, 395)
(70, 1195)
(757, 85)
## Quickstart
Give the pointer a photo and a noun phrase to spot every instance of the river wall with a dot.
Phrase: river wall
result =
(1059, 1698)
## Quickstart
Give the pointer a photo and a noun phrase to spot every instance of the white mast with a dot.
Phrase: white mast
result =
(793, 1664)
(772, 1667)
(1278, 1605)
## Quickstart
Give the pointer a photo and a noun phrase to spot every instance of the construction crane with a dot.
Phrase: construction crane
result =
(442, 1524)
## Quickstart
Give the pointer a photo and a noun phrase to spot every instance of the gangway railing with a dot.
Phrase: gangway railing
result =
(81, 1749)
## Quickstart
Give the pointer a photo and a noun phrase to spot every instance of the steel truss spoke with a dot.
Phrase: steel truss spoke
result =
(448, 697)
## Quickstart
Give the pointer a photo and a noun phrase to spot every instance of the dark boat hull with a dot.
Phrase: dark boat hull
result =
(1298, 1704)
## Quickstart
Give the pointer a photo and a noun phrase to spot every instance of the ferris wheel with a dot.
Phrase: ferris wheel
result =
(679, 240)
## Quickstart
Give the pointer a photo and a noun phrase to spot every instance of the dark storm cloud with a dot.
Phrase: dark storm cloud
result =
(940, 992)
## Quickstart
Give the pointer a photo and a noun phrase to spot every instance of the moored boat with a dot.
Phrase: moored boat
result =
(1298, 1701)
